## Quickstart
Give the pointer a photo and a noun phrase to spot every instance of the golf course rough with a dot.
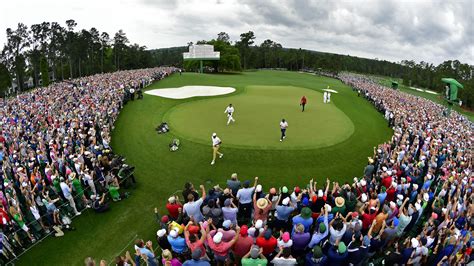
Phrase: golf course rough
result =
(258, 111)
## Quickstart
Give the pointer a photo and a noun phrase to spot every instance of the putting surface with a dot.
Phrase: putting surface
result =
(258, 111)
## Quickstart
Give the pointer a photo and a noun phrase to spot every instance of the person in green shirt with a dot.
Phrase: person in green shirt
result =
(113, 190)
(21, 223)
(254, 257)
(76, 184)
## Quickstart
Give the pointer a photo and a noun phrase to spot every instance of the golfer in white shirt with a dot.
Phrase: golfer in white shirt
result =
(229, 111)
(283, 126)
(216, 144)
(325, 96)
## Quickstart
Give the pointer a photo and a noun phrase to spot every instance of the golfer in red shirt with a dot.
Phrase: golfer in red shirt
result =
(303, 103)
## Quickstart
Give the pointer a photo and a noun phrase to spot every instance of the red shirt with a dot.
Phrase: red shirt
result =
(390, 195)
(242, 246)
(173, 209)
(367, 219)
(3, 214)
(268, 246)
(387, 182)
(303, 100)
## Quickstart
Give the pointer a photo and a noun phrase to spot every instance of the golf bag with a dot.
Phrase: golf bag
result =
(174, 145)
(163, 128)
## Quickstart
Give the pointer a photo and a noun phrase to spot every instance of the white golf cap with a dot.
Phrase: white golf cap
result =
(214, 134)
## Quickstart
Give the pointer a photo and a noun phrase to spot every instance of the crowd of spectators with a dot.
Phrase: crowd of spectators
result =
(411, 205)
(55, 154)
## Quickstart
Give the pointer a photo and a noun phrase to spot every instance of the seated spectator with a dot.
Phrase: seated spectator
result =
(99, 205)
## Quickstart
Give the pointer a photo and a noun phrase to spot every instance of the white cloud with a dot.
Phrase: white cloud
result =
(431, 31)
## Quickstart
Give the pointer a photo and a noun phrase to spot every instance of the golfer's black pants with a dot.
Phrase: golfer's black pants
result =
(302, 106)
(283, 133)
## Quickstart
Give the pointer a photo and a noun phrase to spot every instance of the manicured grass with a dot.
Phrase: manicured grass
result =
(160, 172)
(258, 111)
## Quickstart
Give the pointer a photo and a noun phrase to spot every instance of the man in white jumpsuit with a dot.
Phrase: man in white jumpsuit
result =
(216, 144)
(329, 97)
(229, 111)
(325, 96)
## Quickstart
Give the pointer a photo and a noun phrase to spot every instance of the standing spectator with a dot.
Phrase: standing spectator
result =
(193, 207)
(267, 242)
(244, 195)
(173, 207)
(233, 183)
(243, 244)
(66, 190)
(196, 259)
(254, 257)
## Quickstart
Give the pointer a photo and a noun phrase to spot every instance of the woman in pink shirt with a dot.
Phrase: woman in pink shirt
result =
(261, 208)
(219, 247)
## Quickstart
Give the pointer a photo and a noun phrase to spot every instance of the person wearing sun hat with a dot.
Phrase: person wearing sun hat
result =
(303, 218)
(316, 257)
(340, 206)
(337, 254)
(261, 208)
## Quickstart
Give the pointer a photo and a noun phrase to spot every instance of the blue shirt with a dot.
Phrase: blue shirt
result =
(382, 197)
(149, 255)
(196, 263)
(335, 258)
(300, 220)
(178, 244)
(283, 212)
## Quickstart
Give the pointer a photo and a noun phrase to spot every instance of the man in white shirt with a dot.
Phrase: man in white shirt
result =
(329, 97)
(229, 111)
(67, 192)
(283, 126)
(325, 96)
(216, 143)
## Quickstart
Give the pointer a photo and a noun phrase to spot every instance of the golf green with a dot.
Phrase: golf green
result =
(258, 111)
(160, 173)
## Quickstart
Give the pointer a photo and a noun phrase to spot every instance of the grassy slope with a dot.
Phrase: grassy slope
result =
(160, 173)
(258, 112)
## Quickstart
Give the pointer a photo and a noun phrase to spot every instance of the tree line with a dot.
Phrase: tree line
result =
(50, 51)
(271, 54)
(53, 51)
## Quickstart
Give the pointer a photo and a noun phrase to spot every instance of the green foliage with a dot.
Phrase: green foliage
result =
(44, 71)
(5, 79)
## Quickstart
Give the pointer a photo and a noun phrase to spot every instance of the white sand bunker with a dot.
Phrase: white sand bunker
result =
(190, 91)
(333, 91)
